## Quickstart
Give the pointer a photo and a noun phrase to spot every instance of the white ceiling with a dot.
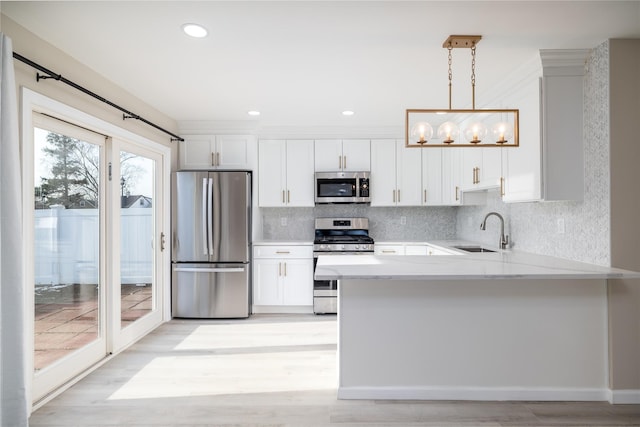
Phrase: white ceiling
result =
(303, 62)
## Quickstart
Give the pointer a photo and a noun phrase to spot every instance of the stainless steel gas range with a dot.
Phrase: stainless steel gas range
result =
(337, 236)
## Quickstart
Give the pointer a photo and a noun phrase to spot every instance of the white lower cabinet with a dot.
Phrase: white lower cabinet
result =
(282, 278)
(409, 248)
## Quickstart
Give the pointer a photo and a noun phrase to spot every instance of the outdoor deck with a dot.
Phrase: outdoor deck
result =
(66, 317)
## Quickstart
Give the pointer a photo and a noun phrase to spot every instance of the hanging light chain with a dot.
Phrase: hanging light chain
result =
(473, 76)
(450, 49)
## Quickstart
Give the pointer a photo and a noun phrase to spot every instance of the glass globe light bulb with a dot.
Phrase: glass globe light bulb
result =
(421, 132)
(448, 132)
(502, 132)
(475, 133)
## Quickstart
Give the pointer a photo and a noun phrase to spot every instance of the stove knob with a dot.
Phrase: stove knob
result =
(343, 247)
(357, 246)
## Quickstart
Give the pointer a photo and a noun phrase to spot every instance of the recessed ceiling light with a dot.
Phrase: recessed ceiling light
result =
(195, 30)
(253, 113)
(348, 113)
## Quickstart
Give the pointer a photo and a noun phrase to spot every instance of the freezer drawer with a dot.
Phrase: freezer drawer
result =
(210, 291)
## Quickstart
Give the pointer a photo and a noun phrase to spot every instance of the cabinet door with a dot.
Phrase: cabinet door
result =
(232, 151)
(356, 155)
(416, 250)
(266, 282)
(383, 172)
(451, 185)
(196, 152)
(408, 175)
(522, 166)
(272, 173)
(471, 167)
(432, 176)
(297, 284)
(491, 169)
(328, 155)
(300, 173)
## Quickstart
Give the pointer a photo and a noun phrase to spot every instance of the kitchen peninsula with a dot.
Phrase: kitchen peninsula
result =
(492, 326)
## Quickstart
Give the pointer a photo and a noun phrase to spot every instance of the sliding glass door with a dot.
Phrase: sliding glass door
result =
(141, 243)
(69, 265)
(98, 269)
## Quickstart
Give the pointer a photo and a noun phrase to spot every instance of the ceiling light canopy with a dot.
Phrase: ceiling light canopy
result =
(253, 113)
(462, 128)
(348, 113)
(195, 30)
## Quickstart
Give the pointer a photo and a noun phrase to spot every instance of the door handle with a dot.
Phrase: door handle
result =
(162, 242)
(204, 216)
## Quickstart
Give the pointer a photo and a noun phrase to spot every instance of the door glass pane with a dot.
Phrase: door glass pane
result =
(137, 231)
(67, 242)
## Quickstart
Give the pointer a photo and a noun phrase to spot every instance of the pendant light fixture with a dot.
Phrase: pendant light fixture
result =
(462, 128)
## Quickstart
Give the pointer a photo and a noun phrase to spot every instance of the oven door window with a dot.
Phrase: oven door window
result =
(336, 188)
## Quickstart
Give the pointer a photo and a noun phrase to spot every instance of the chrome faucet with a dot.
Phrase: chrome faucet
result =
(504, 240)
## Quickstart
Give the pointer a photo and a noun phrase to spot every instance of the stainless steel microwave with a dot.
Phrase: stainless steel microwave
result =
(342, 187)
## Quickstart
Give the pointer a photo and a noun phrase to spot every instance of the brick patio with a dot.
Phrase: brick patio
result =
(66, 317)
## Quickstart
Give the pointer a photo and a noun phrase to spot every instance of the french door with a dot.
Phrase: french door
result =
(98, 266)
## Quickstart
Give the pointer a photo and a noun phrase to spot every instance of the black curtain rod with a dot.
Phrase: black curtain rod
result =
(127, 114)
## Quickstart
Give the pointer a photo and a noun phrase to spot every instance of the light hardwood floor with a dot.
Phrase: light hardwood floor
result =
(271, 370)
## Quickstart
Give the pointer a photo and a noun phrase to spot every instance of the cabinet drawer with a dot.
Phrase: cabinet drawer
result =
(388, 249)
(279, 251)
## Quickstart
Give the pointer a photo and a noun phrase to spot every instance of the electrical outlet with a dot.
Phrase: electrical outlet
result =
(560, 225)
(403, 220)
(283, 221)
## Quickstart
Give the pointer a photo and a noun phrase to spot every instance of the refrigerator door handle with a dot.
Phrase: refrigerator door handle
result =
(209, 270)
(210, 216)
(204, 214)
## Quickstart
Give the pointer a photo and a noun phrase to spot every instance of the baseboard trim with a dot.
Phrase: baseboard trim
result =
(475, 393)
(624, 397)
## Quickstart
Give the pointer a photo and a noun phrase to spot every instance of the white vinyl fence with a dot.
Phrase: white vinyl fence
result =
(67, 246)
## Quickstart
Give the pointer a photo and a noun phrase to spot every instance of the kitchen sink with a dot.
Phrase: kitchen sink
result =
(473, 249)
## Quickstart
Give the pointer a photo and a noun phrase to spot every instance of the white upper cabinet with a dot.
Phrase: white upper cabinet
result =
(432, 176)
(408, 175)
(383, 172)
(285, 173)
(548, 164)
(481, 168)
(216, 152)
(342, 155)
(396, 174)
(451, 177)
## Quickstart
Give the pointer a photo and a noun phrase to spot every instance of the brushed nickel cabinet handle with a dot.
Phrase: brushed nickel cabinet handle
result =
(339, 162)
(344, 162)
(288, 196)
(388, 251)
(279, 269)
(283, 199)
(283, 252)
(425, 196)
(285, 269)
(457, 193)
(213, 158)
(394, 196)
(218, 158)
(398, 196)
(501, 186)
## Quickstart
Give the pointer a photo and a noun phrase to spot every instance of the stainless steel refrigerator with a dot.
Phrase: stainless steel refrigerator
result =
(211, 241)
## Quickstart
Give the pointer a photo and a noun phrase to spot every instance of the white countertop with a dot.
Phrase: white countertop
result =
(498, 265)
(282, 243)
